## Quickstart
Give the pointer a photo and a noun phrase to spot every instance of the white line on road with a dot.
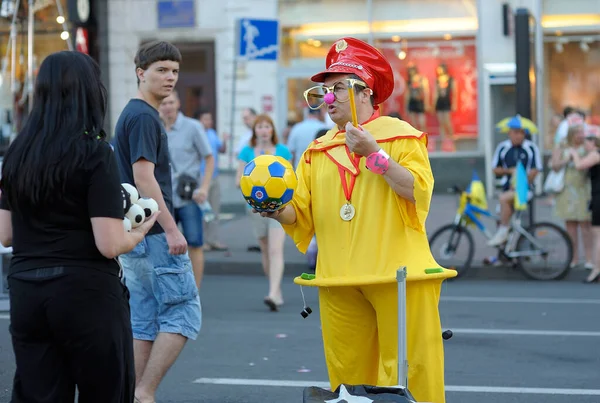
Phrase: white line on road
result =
(525, 332)
(449, 388)
(505, 332)
(524, 300)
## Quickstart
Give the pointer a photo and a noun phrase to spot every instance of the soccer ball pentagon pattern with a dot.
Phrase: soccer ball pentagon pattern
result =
(268, 183)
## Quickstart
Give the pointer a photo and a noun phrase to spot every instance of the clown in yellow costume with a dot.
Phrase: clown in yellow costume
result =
(365, 193)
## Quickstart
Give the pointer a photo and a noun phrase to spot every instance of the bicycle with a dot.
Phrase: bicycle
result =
(522, 247)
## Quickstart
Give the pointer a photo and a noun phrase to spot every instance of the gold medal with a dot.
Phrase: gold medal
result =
(347, 212)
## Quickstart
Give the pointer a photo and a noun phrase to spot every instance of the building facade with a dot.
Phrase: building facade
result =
(470, 42)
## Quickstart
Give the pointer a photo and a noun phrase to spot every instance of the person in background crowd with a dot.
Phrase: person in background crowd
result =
(188, 147)
(211, 229)
(248, 117)
(572, 203)
(269, 233)
(63, 216)
(303, 133)
(508, 152)
(572, 117)
(285, 134)
(591, 162)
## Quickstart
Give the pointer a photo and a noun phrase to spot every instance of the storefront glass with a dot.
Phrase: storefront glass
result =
(441, 99)
(436, 90)
(49, 36)
(572, 78)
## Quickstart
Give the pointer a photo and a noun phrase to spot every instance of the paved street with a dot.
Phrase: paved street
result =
(514, 342)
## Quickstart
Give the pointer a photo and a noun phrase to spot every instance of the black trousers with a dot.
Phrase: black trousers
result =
(71, 330)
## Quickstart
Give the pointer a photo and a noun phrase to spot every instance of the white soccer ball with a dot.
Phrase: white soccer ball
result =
(126, 224)
(149, 205)
(133, 193)
(136, 215)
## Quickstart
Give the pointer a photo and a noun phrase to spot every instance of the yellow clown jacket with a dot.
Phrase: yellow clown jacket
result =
(386, 233)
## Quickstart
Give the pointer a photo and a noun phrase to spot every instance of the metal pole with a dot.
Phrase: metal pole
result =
(539, 84)
(233, 90)
(64, 24)
(370, 20)
(402, 348)
(30, 34)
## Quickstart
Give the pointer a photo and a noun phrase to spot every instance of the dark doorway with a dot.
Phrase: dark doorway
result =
(196, 85)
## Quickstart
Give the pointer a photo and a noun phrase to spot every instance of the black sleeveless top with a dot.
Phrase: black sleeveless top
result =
(595, 178)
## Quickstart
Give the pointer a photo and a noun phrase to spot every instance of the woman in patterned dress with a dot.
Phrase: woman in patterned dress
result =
(572, 203)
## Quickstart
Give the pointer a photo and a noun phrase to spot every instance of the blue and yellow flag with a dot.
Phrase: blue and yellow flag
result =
(521, 187)
(477, 192)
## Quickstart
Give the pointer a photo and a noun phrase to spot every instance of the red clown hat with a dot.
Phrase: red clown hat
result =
(353, 56)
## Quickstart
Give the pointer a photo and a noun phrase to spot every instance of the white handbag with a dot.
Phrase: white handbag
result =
(555, 181)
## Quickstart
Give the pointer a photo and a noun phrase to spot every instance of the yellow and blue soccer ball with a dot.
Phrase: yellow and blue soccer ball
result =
(268, 183)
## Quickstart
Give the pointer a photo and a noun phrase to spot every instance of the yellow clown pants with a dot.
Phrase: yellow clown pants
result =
(360, 336)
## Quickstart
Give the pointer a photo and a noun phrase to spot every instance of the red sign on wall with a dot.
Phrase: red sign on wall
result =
(81, 40)
(267, 103)
(462, 67)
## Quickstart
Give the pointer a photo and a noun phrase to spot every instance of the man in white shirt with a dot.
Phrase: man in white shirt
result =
(303, 133)
(248, 116)
(571, 117)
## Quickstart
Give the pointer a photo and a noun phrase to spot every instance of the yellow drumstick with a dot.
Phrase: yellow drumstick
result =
(353, 105)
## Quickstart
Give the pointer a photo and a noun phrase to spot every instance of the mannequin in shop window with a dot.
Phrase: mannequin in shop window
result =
(445, 103)
(416, 96)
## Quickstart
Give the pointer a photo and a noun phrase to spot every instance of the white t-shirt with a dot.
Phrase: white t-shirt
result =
(301, 135)
(243, 141)
(561, 131)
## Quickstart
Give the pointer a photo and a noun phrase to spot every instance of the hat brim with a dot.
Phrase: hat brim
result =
(320, 77)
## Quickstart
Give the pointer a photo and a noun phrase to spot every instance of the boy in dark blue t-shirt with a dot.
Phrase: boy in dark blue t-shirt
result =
(165, 305)
(139, 134)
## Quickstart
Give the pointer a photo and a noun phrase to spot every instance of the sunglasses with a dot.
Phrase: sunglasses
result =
(317, 96)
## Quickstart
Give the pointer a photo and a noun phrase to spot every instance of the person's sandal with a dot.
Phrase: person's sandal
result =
(271, 304)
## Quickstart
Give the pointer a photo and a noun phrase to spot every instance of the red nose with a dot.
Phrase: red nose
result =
(329, 98)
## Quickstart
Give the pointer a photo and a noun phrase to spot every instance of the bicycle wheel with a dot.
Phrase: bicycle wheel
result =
(551, 254)
(447, 253)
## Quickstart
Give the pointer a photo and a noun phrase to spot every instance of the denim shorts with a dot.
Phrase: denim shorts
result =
(164, 297)
(192, 221)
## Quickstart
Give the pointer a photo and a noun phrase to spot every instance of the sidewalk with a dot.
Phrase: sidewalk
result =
(236, 232)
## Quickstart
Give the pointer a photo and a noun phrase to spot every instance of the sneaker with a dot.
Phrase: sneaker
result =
(499, 237)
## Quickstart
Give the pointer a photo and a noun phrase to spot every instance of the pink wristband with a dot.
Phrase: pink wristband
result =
(378, 162)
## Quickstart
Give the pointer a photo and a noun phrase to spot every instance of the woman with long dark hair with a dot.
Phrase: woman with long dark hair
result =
(62, 212)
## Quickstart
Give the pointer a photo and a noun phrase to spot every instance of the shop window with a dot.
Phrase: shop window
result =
(436, 90)
(441, 99)
(572, 67)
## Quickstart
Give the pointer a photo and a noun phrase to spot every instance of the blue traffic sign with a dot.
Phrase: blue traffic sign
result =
(258, 39)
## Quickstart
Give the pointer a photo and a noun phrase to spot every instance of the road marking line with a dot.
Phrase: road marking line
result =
(525, 332)
(261, 382)
(2, 316)
(523, 391)
(449, 388)
(524, 300)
